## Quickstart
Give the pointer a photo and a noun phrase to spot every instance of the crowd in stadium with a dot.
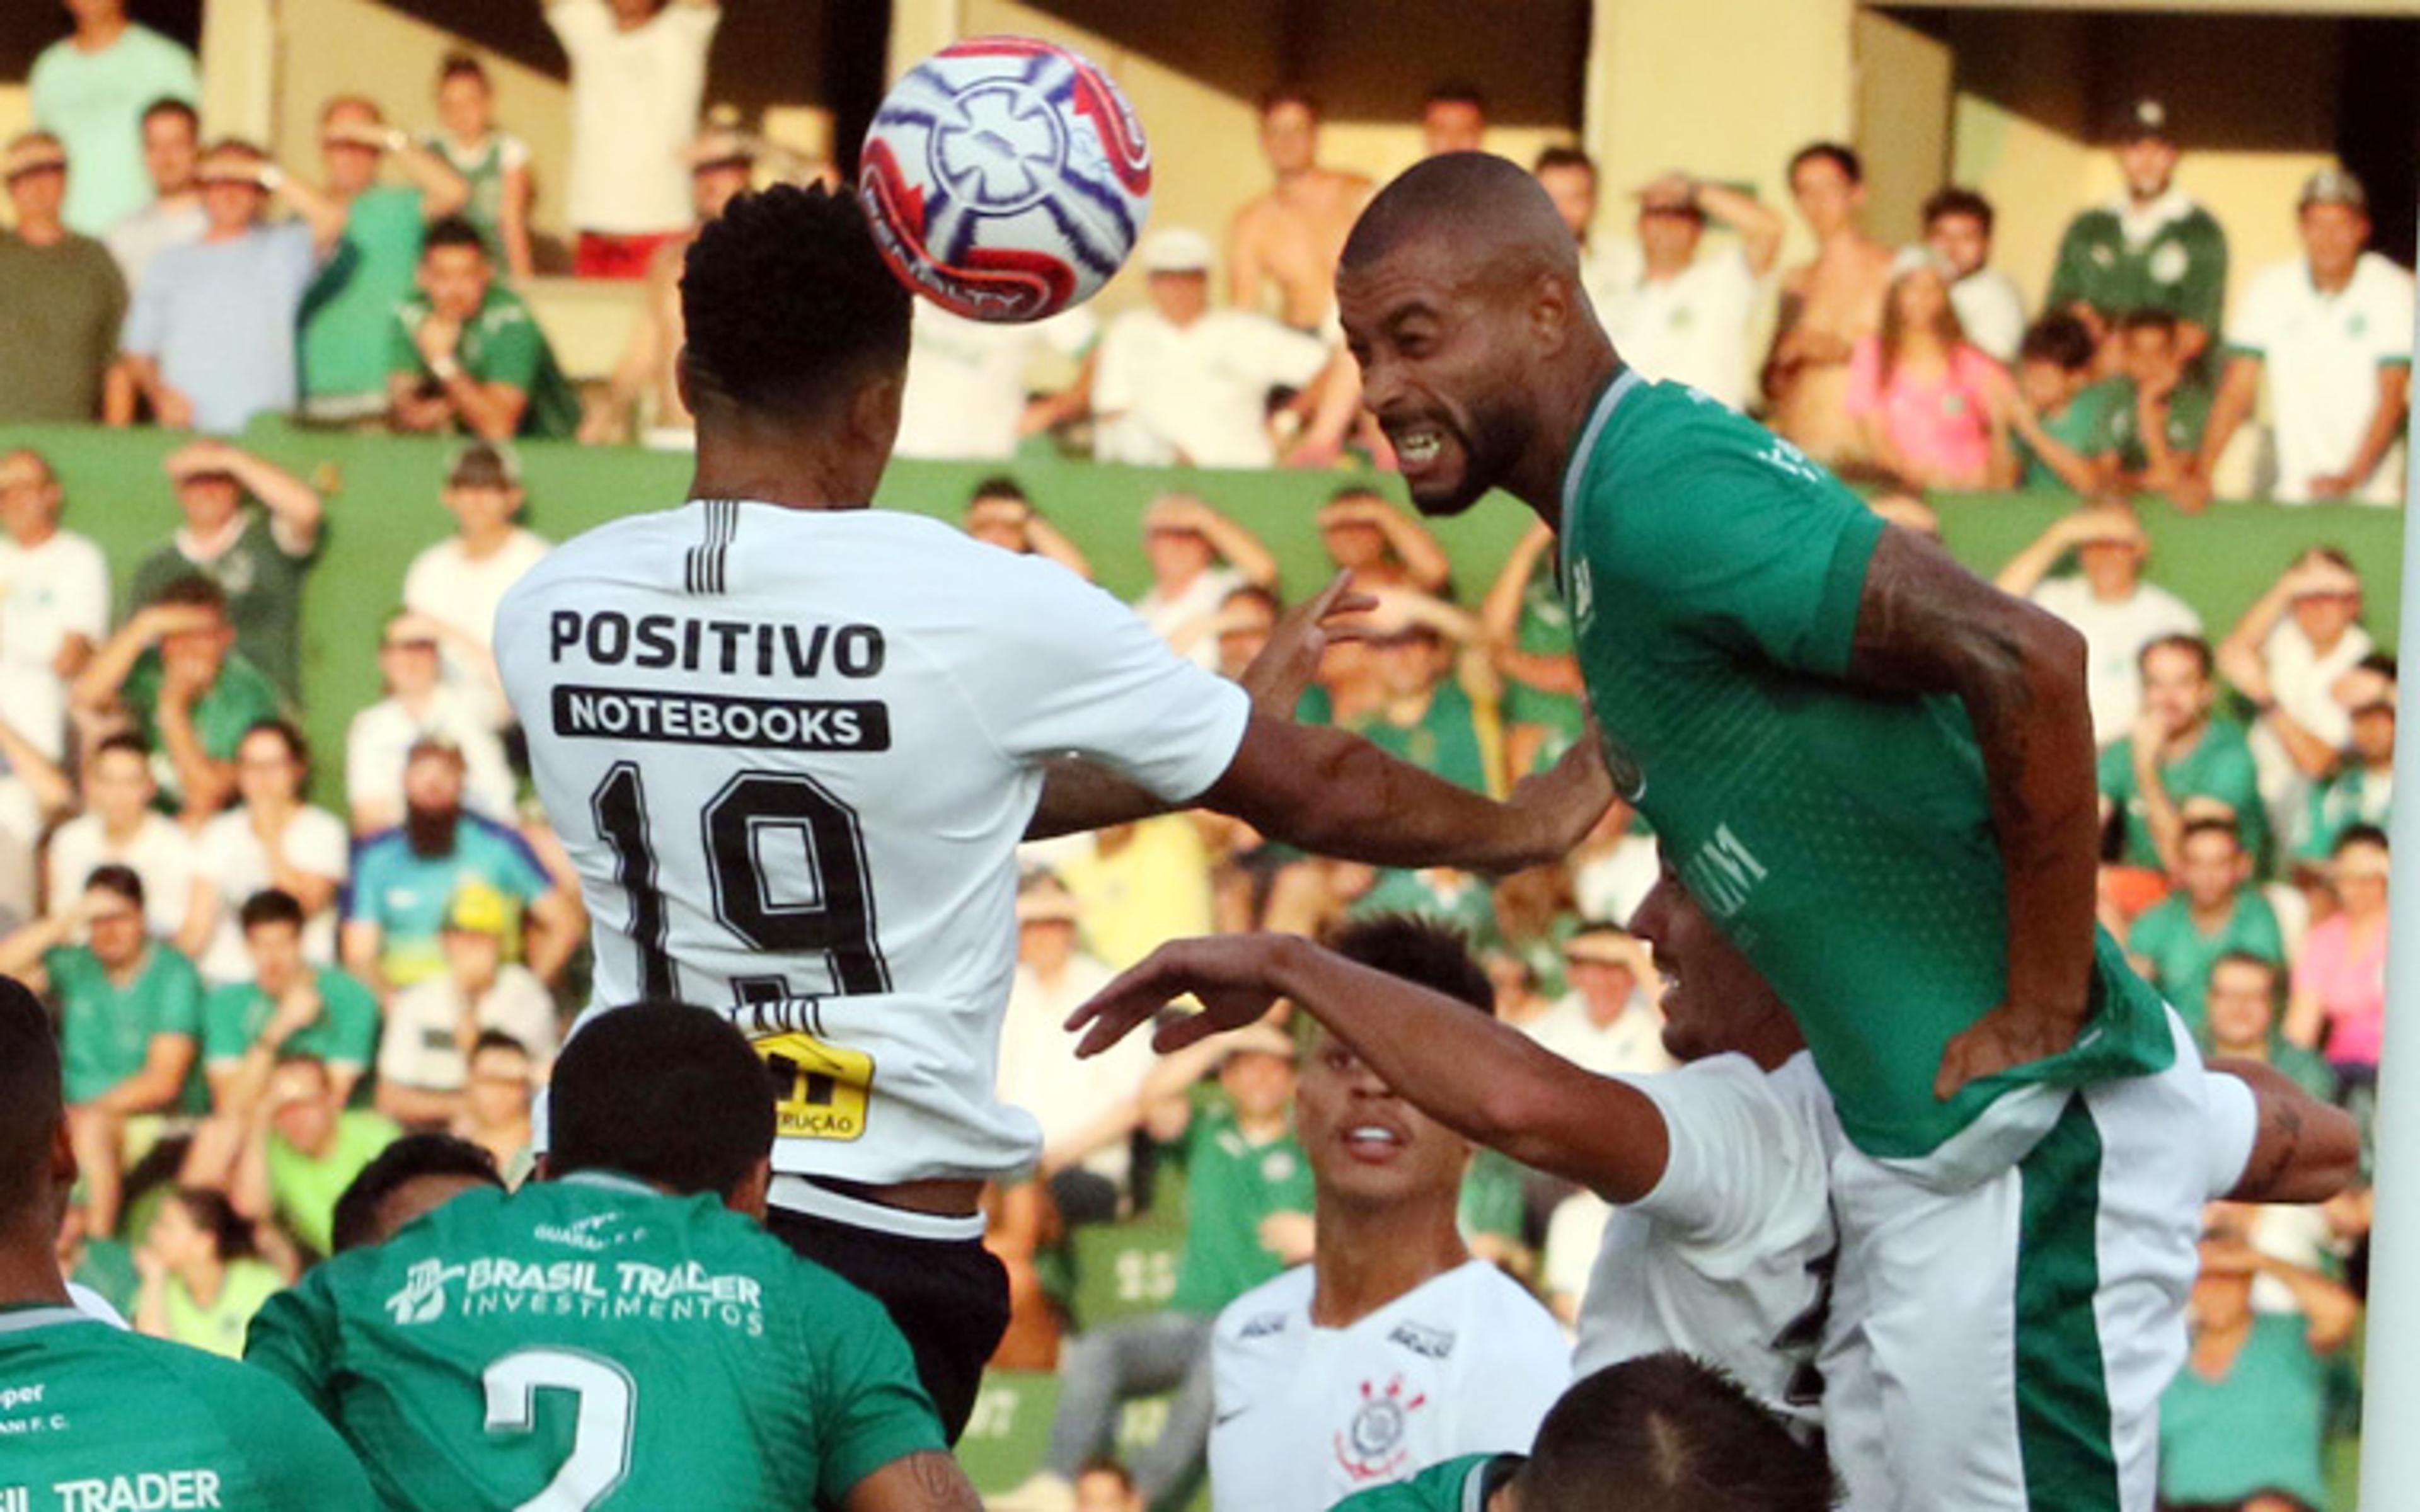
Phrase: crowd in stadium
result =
(256, 991)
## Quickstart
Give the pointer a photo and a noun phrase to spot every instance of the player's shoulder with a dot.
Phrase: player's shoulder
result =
(1476, 1311)
(194, 1388)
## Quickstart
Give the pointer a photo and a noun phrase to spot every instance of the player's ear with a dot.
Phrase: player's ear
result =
(1552, 311)
(873, 410)
(64, 1169)
(748, 1196)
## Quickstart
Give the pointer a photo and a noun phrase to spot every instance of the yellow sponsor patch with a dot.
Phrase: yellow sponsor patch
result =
(822, 1090)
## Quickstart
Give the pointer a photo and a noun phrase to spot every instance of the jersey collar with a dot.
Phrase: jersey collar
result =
(1617, 389)
(40, 1315)
(2138, 226)
(608, 1182)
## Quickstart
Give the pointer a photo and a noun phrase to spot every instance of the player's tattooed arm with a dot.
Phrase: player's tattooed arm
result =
(1926, 625)
(926, 1481)
(2305, 1150)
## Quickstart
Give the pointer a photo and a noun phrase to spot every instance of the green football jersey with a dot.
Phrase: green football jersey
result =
(1458, 1484)
(594, 1343)
(94, 1417)
(1841, 838)
(2180, 957)
(2220, 766)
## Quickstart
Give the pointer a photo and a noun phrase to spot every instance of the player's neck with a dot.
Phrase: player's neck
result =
(1537, 478)
(1368, 1257)
(773, 462)
(29, 1268)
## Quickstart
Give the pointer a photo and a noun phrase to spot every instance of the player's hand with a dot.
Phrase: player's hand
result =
(2009, 1036)
(1233, 976)
(1559, 806)
(1286, 667)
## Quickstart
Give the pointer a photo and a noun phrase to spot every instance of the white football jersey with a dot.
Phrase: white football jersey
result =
(1466, 1363)
(1730, 1258)
(791, 753)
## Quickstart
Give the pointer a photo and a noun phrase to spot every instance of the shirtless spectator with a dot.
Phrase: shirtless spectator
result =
(1958, 233)
(998, 514)
(1681, 316)
(1289, 238)
(723, 164)
(2151, 248)
(1826, 305)
(638, 87)
(1454, 119)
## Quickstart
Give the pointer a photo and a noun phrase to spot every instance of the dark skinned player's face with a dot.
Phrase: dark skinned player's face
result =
(1445, 367)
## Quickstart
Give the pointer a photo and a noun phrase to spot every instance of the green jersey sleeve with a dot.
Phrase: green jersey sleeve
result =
(874, 1410)
(512, 354)
(1753, 551)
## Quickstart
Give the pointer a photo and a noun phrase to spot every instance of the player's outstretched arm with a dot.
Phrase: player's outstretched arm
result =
(2305, 1150)
(1485, 1080)
(926, 1481)
(1926, 625)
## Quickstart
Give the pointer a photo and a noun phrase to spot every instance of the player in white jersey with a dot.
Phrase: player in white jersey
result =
(1726, 1171)
(791, 744)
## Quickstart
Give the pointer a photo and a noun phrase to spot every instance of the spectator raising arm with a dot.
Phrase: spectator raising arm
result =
(2029, 568)
(2243, 656)
(1499, 618)
(1758, 226)
(1237, 546)
(296, 511)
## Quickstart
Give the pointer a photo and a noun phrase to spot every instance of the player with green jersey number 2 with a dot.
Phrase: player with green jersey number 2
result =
(93, 1416)
(617, 1336)
(1875, 771)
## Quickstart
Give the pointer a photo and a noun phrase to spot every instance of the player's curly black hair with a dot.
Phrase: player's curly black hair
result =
(789, 306)
(1422, 951)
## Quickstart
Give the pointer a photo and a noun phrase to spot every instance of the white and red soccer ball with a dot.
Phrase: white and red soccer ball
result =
(1005, 179)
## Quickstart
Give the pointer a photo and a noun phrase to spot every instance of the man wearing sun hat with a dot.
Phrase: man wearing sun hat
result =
(433, 1026)
(1183, 382)
(2332, 329)
(59, 307)
(2153, 247)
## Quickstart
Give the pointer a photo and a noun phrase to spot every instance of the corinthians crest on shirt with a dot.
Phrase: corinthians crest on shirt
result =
(1374, 1445)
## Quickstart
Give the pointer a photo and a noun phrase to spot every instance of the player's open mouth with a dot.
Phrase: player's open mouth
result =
(1417, 449)
(1373, 1142)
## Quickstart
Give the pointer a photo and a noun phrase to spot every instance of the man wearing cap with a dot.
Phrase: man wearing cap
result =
(258, 557)
(61, 299)
(722, 163)
(465, 353)
(1182, 383)
(2108, 600)
(1682, 317)
(211, 337)
(1198, 556)
(1608, 1023)
(90, 90)
(457, 584)
(433, 1026)
(2153, 247)
(2332, 329)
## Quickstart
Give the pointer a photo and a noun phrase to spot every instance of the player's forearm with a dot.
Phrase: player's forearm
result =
(1079, 797)
(2304, 1150)
(1484, 1079)
(2034, 723)
(926, 1481)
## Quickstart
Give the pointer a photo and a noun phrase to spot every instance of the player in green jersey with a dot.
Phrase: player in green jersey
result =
(93, 1417)
(1876, 771)
(620, 1333)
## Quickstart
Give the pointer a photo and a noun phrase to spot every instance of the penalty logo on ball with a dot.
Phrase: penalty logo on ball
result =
(1005, 179)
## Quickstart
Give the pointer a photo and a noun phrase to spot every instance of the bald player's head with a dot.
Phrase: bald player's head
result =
(1460, 293)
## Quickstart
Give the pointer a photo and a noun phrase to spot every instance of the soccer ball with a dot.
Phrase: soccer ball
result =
(1005, 179)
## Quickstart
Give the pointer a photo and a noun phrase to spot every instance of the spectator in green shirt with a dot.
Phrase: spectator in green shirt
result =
(2151, 248)
(173, 668)
(2363, 790)
(2242, 1010)
(466, 352)
(2214, 912)
(129, 1017)
(1426, 717)
(289, 1007)
(2062, 419)
(201, 1280)
(345, 315)
(258, 559)
(301, 1149)
(2162, 408)
(2180, 760)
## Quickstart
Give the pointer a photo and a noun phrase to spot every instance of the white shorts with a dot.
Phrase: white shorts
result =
(2004, 1345)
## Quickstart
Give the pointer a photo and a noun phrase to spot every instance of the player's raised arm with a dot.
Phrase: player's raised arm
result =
(1482, 1078)
(1926, 625)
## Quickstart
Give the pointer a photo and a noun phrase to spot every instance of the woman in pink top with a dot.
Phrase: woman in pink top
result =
(1931, 407)
(2339, 1001)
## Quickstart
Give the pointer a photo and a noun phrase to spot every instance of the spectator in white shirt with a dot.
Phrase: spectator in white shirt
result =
(2286, 655)
(1569, 178)
(54, 601)
(420, 707)
(1608, 1023)
(1958, 233)
(433, 1026)
(457, 584)
(966, 397)
(273, 840)
(1087, 1108)
(1198, 557)
(637, 88)
(1182, 383)
(121, 828)
(172, 155)
(1681, 316)
(2332, 329)
(2108, 601)
(1393, 1350)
